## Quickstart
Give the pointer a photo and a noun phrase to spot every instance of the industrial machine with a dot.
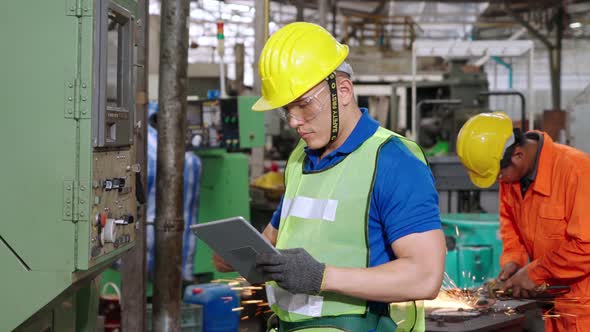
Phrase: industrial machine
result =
(220, 131)
(69, 174)
(473, 248)
(227, 123)
(443, 107)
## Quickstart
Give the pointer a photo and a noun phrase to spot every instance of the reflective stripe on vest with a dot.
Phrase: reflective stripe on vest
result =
(309, 208)
(326, 212)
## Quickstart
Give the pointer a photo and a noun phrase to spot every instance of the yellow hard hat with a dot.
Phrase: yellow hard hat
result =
(295, 59)
(481, 144)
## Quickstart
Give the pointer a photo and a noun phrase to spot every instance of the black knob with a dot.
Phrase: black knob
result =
(107, 185)
(129, 219)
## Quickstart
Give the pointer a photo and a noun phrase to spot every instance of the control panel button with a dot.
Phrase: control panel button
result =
(107, 185)
(109, 232)
(125, 220)
(118, 183)
(103, 219)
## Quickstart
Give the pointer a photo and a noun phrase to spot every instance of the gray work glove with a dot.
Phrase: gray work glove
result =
(294, 270)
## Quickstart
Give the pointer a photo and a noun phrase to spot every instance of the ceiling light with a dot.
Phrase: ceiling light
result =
(575, 25)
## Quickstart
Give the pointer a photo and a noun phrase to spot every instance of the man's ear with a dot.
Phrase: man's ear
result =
(517, 154)
(345, 91)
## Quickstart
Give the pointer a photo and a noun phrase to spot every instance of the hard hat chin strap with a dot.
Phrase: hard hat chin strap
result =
(335, 123)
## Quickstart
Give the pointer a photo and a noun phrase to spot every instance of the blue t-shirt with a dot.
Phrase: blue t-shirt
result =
(404, 198)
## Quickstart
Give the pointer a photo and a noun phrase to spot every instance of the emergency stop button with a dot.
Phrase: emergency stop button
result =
(103, 219)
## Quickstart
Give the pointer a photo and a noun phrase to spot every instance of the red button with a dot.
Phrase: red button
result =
(197, 291)
(103, 219)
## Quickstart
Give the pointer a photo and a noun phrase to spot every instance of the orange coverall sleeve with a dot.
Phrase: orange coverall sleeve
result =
(513, 249)
(572, 259)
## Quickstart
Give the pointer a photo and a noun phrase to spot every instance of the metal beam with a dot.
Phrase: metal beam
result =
(334, 15)
(377, 10)
(485, 58)
(554, 49)
(323, 12)
(300, 8)
(239, 56)
(170, 165)
(527, 25)
(261, 8)
(261, 20)
(555, 60)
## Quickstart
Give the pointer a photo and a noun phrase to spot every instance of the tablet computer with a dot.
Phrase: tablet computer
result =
(237, 242)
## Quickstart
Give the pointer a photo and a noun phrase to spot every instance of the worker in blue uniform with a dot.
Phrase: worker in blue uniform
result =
(192, 181)
(358, 226)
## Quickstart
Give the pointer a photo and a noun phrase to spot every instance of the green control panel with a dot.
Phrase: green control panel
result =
(227, 123)
(68, 194)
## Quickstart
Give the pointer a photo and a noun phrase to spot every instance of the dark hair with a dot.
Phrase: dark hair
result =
(519, 140)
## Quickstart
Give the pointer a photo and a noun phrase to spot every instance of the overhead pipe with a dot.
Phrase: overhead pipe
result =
(507, 66)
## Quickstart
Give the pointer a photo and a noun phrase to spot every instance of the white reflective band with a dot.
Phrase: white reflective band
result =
(303, 304)
(309, 208)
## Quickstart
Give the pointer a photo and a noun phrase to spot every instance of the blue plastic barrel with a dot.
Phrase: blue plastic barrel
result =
(219, 302)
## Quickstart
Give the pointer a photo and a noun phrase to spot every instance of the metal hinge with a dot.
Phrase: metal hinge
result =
(78, 8)
(82, 198)
(83, 104)
(68, 200)
(76, 99)
(75, 201)
(70, 98)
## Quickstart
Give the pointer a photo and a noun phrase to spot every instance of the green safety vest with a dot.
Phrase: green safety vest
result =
(327, 213)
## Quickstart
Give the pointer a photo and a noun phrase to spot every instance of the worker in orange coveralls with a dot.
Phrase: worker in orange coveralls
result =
(544, 204)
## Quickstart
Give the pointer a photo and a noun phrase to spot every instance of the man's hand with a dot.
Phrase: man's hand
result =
(221, 265)
(521, 284)
(508, 271)
(295, 270)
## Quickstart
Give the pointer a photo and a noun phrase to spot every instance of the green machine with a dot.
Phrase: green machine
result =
(474, 247)
(220, 131)
(69, 173)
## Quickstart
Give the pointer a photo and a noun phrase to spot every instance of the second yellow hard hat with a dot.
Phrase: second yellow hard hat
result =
(481, 144)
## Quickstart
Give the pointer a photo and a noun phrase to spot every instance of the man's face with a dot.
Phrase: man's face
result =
(309, 116)
(508, 174)
(516, 170)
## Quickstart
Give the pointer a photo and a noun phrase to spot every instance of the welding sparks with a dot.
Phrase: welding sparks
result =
(448, 283)
(552, 314)
(252, 301)
(246, 288)
(453, 301)
(453, 297)
(447, 300)
(229, 282)
(238, 309)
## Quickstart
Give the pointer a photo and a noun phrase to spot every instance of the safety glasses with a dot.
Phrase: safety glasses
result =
(305, 109)
(508, 149)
